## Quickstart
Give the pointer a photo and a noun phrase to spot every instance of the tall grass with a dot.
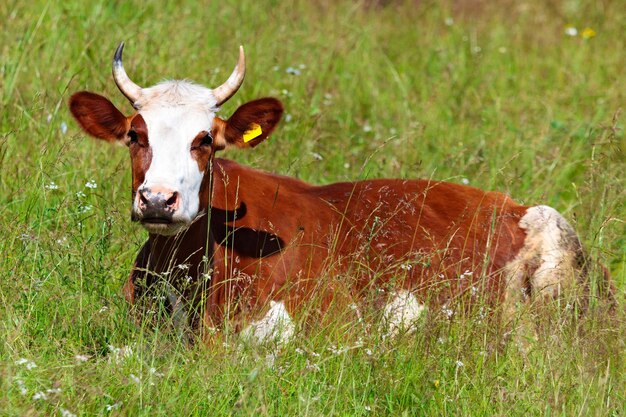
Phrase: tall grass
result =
(497, 95)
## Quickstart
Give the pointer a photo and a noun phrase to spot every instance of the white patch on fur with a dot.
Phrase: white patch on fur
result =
(175, 112)
(551, 245)
(276, 327)
(401, 313)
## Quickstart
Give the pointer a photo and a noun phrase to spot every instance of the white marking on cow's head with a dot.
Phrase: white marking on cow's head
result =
(175, 114)
(172, 139)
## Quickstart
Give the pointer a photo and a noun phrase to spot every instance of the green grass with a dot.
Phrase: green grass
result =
(494, 94)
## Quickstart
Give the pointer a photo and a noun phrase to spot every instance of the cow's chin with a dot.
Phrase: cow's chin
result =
(165, 229)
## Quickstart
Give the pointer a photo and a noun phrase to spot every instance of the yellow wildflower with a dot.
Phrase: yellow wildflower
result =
(588, 33)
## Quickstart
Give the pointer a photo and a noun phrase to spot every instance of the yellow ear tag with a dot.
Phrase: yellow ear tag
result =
(253, 131)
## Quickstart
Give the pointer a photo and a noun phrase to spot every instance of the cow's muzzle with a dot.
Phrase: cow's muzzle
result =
(156, 205)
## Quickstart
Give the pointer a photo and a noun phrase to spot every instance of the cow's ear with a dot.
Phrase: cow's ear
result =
(98, 116)
(250, 125)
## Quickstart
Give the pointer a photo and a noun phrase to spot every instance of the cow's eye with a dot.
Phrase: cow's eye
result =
(207, 140)
(132, 135)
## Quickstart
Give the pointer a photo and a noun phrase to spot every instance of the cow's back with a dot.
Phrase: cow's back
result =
(429, 235)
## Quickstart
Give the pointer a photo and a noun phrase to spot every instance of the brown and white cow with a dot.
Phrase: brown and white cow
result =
(237, 243)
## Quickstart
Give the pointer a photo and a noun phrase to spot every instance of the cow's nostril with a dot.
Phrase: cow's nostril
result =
(172, 200)
(142, 198)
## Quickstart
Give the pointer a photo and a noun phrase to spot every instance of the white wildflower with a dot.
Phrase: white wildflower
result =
(369, 352)
(465, 181)
(91, 184)
(66, 413)
(111, 407)
(571, 31)
(53, 391)
(81, 358)
(85, 209)
(80, 194)
(336, 350)
(317, 156)
(25, 237)
(21, 386)
(119, 354)
(270, 361)
(63, 128)
(40, 395)
(459, 364)
(135, 378)
(28, 363)
(312, 366)
(367, 127)
(51, 186)
(466, 274)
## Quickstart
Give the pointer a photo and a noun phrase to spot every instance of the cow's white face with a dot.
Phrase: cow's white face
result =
(172, 139)
(170, 142)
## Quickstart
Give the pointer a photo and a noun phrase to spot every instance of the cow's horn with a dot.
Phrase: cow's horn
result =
(230, 87)
(131, 90)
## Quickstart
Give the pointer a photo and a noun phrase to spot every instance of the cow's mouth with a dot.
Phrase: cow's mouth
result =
(156, 220)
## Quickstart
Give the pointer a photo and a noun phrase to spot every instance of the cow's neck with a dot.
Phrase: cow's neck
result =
(188, 256)
(184, 251)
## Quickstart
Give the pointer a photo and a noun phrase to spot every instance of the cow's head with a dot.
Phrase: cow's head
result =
(172, 138)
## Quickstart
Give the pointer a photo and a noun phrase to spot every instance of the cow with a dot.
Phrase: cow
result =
(233, 243)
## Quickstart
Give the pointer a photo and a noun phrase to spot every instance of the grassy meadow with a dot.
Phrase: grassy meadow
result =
(525, 97)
